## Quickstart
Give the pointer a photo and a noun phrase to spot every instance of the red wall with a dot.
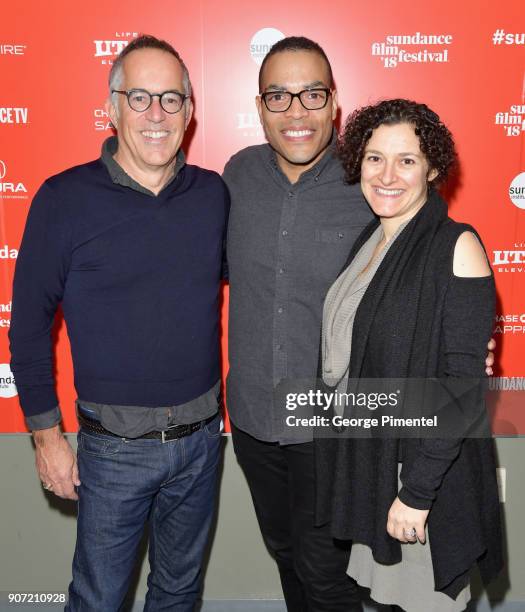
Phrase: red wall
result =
(54, 82)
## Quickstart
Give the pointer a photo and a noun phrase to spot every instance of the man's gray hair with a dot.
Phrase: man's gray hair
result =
(144, 41)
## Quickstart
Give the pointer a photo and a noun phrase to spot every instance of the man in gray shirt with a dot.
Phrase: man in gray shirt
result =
(292, 223)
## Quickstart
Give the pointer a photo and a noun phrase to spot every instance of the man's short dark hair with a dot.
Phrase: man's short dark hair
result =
(295, 43)
(146, 41)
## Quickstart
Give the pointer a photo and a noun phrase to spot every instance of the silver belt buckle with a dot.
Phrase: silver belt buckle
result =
(163, 434)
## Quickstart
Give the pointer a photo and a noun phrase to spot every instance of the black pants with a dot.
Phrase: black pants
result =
(311, 565)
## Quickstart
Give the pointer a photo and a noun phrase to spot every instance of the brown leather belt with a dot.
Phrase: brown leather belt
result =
(172, 433)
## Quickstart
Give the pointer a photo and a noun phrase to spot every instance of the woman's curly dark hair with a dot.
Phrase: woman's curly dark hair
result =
(435, 140)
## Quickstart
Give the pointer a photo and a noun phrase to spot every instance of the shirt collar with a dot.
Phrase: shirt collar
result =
(118, 174)
(326, 161)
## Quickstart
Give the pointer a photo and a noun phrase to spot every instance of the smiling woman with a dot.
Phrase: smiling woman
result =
(415, 300)
(395, 175)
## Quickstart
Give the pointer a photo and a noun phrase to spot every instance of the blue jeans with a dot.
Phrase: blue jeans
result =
(125, 482)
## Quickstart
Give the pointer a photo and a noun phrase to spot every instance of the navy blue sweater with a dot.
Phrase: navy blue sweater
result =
(138, 278)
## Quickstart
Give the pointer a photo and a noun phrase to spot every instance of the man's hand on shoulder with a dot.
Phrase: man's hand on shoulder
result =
(56, 463)
(489, 360)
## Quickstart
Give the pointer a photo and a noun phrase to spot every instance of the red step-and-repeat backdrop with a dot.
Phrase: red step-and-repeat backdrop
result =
(465, 59)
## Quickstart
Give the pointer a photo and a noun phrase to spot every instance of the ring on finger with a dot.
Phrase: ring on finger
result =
(410, 533)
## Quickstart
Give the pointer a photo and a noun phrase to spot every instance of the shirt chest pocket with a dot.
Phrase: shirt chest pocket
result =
(331, 247)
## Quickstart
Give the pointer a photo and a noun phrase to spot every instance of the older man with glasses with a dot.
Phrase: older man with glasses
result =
(131, 246)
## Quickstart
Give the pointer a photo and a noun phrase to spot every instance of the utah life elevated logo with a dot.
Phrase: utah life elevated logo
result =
(511, 260)
(107, 50)
(249, 124)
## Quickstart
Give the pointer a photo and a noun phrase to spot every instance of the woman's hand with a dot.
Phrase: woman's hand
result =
(402, 520)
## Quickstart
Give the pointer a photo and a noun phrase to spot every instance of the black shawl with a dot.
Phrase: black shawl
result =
(398, 334)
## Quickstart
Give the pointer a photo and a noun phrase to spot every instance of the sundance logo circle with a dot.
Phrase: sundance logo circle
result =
(7, 381)
(3, 170)
(517, 191)
(262, 41)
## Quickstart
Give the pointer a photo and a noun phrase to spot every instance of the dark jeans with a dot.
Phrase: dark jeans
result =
(311, 565)
(123, 483)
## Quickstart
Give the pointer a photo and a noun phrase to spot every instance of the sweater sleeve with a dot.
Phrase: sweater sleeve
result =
(40, 275)
(466, 328)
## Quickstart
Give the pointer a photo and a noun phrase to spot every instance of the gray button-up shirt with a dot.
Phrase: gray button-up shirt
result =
(134, 421)
(286, 245)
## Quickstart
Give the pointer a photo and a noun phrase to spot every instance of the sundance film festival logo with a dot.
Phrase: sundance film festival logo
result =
(510, 261)
(107, 50)
(407, 49)
(7, 381)
(517, 191)
(262, 41)
(513, 120)
(11, 49)
(14, 190)
(10, 114)
(510, 323)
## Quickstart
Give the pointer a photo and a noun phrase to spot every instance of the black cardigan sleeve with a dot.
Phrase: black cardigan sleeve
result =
(466, 328)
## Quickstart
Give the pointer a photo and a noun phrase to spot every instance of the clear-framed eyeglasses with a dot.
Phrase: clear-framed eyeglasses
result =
(140, 100)
(311, 99)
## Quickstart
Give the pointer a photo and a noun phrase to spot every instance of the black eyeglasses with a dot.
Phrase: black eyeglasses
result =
(311, 99)
(140, 100)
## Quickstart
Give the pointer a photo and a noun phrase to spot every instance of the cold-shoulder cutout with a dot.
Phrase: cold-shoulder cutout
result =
(470, 259)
